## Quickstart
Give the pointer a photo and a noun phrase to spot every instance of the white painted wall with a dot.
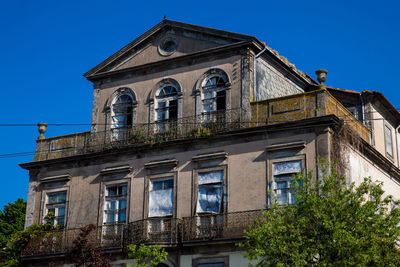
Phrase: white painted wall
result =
(360, 167)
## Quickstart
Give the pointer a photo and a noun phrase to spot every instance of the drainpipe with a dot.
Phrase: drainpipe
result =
(255, 71)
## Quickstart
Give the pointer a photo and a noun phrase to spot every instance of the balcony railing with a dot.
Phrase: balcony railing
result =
(161, 231)
(223, 226)
(205, 125)
(266, 112)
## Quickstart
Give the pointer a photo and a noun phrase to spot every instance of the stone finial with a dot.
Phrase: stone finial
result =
(42, 130)
(321, 76)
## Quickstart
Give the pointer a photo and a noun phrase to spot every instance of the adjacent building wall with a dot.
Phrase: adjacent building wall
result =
(272, 83)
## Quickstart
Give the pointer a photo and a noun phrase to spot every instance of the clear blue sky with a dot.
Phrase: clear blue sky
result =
(46, 46)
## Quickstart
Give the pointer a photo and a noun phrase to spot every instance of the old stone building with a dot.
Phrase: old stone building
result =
(192, 127)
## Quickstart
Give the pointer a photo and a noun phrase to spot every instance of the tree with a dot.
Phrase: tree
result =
(147, 256)
(331, 224)
(10, 255)
(12, 220)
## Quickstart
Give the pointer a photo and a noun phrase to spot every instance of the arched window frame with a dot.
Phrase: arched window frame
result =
(208, 96)
(166, 106)
(154, 100)
(118, 132)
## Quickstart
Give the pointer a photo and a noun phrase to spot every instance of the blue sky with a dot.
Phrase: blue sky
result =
(46, 46)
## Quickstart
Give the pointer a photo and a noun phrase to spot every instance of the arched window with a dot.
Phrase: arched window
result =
(166, 104)
(213, 95)
(121, 115)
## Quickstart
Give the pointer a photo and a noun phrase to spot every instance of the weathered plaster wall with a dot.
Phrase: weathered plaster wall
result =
(187, 77)
(246, 176)
(378, 122)
(187, 43)
(359, 167)
(271, 83)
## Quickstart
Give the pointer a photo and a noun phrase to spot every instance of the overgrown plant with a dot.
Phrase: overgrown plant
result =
(330, 224)
(86, 253)
(11, 254)
(147, 256)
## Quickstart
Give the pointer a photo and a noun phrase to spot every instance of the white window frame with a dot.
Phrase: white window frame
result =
(117, 208)
(388, 140)
(56, 206)
(118, 133)
(207, 116)
(272, 181)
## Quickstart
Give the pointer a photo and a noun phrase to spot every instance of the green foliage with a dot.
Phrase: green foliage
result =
(12, 220)
(331, 224)
(200, 132)
(10, 254)
(147, 256)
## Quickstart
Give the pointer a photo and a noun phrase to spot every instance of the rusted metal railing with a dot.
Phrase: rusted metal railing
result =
(217, 226)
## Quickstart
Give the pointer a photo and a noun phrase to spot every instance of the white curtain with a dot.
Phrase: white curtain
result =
(210, 190)
(287, 167)
(161, 203)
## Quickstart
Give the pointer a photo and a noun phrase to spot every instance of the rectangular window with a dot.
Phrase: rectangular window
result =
(210, 192)
(211, 262)
(55, 204)
(115, 204)
(388, 141)
(282, 174)
(161, 197)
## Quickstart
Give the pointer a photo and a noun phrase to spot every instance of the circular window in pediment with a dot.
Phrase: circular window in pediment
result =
(168, 46)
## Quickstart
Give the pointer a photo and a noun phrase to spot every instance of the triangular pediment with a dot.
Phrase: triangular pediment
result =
(168, 39)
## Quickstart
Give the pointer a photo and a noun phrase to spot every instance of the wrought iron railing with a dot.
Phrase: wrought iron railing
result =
(204, 125)
(217, 226)
(266, 112)
(161, 231)
(62, 241)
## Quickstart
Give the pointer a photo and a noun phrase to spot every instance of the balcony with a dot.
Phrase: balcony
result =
(267, 112)
(217, 227)
(167, 232)
(304, 106)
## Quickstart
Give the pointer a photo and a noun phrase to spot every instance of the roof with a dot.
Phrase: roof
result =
(221, 33)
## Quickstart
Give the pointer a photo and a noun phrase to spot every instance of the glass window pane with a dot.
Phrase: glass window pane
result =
(61, 211)
(211, 177)
(60, 220)
(122, 204)
(287, 167)
(112, 191)
(161, 203)
(111, 205)
(161, 115)
(110, 217)
(124, 190)
(209, 199)
(122, 216)
(388, 140)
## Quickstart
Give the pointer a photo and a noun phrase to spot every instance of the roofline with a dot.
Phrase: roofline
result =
(158, 27)
(386, 103)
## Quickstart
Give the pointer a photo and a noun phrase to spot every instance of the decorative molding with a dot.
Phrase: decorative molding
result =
(211, 156)
(117, 169)
(284, 146)
(57, 178)
(168, 163)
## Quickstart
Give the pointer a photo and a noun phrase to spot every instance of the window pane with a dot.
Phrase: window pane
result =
(112, 191)
(388, 140)
(161, 203)
(124, 190)
(60, 220)
(287, 167)
(210, 177)
(61, 211)
(111, 205)
(122, 204)
(122, 216)
(209, 199)
(56, 197)
(110, 217)
(161, 115)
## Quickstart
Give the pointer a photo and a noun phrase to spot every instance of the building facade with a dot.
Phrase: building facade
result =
(192, 128)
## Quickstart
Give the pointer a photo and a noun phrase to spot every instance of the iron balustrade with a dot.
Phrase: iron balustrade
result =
(161, 231)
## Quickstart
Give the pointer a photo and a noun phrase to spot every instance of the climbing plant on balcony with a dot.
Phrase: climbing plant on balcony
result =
(332, 223)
